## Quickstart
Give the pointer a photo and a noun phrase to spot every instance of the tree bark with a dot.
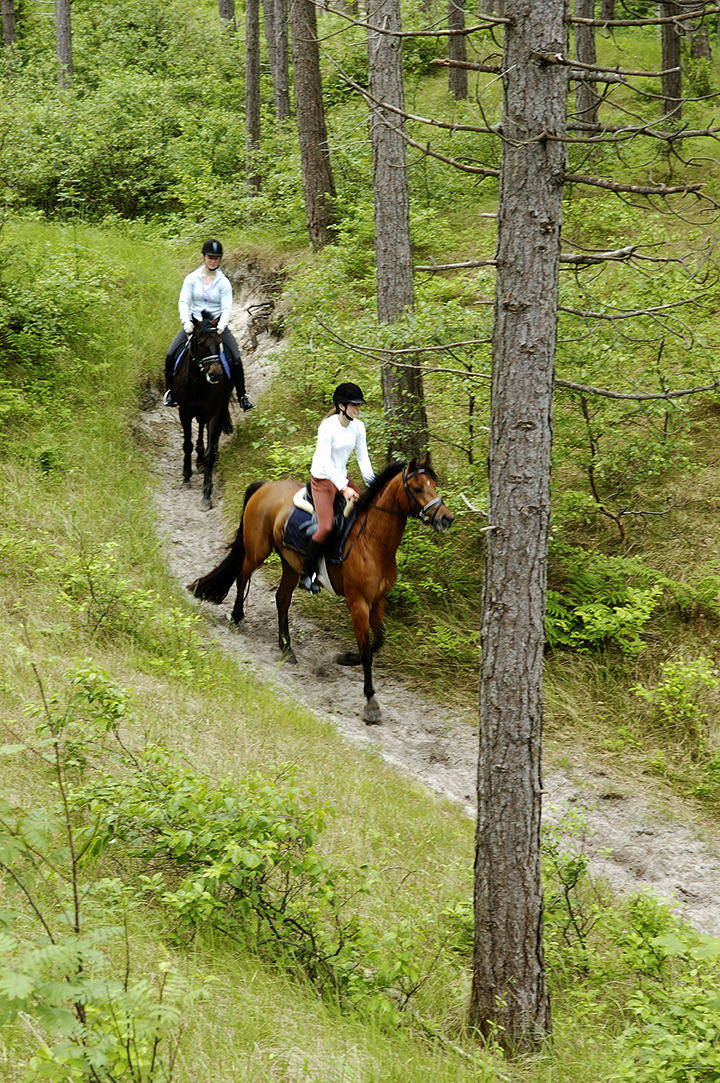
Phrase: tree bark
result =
(402, 388)
(457, 50)
(275, 14)
(63, 41)
(226, 10)
(586, 99)
(700, 41)
(252, 93)
(607, 9)
(509, 997)
(672, 81)
(318, 183)
(8, 22)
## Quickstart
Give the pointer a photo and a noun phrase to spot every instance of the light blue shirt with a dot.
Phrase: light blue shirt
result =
(195, 297)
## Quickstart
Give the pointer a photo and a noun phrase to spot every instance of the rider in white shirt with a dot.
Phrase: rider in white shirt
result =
(339, 435)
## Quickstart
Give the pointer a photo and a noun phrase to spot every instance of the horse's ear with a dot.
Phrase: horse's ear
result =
(411, 467)
(425, 463)
(215, 322)
(196, 323)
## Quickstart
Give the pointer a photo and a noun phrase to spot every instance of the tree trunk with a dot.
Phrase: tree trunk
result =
(700, 41)
(226, 9)
(402, 387)
(8, 22)
(607, 10)
(586, 100)
(457, 50)
(276, 34)
(63, 41)
(318, 184)
(672, 81)
(252, 93)
(509, 998)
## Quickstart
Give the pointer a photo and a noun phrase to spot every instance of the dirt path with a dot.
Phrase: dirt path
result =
(649, 846)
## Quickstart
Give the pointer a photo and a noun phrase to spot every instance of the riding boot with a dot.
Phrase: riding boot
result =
(238, 378)
(169, 398)
(307, 577)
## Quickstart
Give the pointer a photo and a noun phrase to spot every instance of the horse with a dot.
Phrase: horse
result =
(202, 390)
(368, 569)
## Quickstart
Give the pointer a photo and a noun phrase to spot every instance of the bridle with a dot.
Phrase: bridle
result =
(203, 363)
(423, 510)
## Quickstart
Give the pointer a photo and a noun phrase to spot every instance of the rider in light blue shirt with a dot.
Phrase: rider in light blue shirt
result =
(207, 289)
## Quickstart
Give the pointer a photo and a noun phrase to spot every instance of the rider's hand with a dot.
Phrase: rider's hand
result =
(188, 328)
(349, 493)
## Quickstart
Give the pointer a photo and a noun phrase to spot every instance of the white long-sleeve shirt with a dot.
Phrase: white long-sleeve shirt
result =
(215, 299)
(335, 445)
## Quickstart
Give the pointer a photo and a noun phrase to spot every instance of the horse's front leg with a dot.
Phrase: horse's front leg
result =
(360, 613)
(288, 583)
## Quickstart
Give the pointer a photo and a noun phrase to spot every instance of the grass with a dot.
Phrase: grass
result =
(85, 577)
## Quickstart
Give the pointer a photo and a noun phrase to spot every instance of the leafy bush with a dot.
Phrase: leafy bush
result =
(676, 702)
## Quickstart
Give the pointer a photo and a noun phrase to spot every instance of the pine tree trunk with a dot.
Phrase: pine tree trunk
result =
(275, 14)
(586, 100)
(457, 50)
(672, 81)
(509, 996)
(607, 10)
(63, 41)
(318, 183)
(402, 388)
(8, 22)
(252, 93)
(226, 10)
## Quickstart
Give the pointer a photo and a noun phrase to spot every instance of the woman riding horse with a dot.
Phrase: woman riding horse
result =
(368, 570)
(206, 290)
(339, 435)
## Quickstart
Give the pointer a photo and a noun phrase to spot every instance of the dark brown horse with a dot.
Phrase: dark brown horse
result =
(202, 390)
(368, 568)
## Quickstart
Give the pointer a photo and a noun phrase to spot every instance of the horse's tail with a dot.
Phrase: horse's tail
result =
(214, 586)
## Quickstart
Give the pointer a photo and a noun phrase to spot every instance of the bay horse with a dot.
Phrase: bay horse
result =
(202, 390)
(368, 569)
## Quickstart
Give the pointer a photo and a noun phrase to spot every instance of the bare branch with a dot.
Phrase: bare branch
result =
(666, 395)
(636, 189)
(609, 23)
(558, 58)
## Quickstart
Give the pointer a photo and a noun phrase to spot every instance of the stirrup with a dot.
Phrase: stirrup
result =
(306, 582)
(169, 399)
(246, 403)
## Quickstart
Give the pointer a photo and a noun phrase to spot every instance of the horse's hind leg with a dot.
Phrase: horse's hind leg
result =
(200, 446)
(209, 463)
(282, 599)
(187, 447)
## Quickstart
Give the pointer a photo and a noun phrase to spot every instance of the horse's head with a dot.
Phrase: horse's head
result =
(205, 347)
(424, 502)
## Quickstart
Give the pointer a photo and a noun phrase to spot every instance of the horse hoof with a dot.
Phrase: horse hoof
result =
(288, 655)
(205, 505)
(347, 658)
(372, 714)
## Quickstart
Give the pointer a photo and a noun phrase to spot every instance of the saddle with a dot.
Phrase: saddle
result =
(302, 524)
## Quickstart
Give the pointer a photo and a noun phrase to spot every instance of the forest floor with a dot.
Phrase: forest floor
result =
(638, 835)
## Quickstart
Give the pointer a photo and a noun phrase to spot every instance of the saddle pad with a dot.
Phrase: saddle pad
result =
(299, 528)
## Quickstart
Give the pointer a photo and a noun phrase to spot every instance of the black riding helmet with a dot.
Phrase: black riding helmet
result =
(346, 393)
(212, 248)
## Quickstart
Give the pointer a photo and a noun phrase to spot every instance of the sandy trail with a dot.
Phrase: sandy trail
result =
(649, 847)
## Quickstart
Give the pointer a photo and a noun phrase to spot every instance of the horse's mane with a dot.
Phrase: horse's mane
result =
(380, 481)
(377, 485)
